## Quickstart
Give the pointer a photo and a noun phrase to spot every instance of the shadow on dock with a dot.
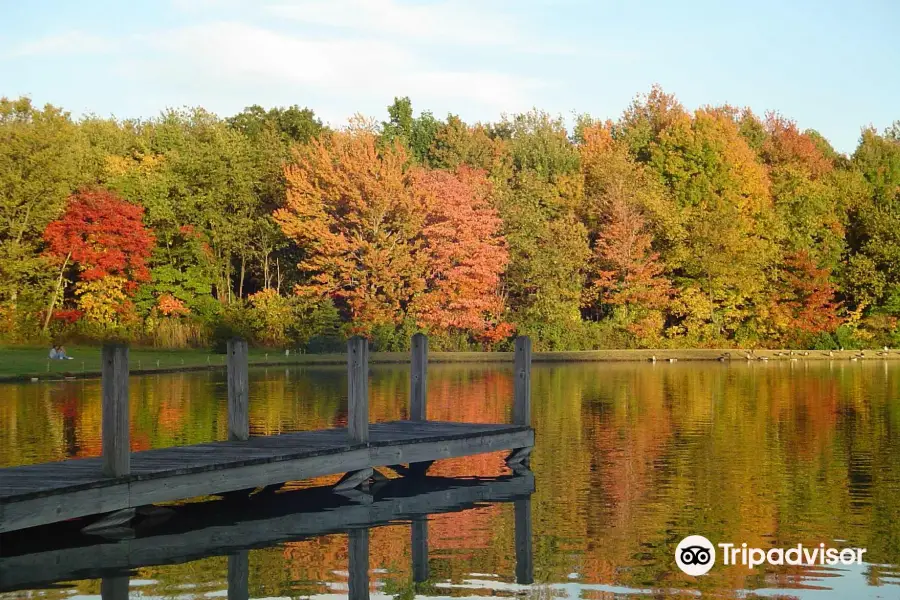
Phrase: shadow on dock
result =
(41, 556)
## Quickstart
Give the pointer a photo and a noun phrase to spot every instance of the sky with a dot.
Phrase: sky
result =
(829, 65)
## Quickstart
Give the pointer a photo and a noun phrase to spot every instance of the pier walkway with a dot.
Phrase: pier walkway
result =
(121, 481)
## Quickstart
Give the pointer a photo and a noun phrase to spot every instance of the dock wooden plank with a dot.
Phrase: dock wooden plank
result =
(37, 494)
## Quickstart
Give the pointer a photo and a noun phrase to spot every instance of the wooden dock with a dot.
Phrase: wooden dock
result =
(120, 481)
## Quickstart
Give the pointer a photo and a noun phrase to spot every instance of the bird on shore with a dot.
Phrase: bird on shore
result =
(653, 358)
(804, 353)
(671, 360)
(883, 353)
(725, 356)
(763, 358)
(829, 353)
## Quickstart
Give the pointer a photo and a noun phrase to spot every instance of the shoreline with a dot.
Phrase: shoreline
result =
(583, 356)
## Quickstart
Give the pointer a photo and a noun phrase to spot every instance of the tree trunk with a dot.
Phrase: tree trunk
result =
(241, 283)
(278, 269)
(59, 281)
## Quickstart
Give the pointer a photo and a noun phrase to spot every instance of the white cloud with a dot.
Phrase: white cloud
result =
(457, 22)
(69, 42)
(244, 55)
(448, 22)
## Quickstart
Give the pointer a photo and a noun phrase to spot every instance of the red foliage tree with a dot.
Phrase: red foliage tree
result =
(787, 146)
(466, 254)
(806, 296)
(103, 235)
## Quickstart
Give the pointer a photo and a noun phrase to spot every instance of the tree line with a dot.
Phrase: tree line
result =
(663, 228)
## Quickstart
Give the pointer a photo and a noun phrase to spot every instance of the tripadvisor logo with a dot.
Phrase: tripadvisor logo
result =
(696, 555)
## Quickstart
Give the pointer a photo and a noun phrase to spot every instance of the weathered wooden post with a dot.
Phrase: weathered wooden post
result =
(420, 548)
(418, 378)
(522, 374)
(238, 397)
(358, 541)
(358, 389)
(115, 424)
(239, 575)
(114, 588)
(524, 552)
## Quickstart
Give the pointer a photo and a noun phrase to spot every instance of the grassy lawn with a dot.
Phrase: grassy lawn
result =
(22, 362)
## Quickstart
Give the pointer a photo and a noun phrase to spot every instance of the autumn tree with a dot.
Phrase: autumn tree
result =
(548, 243)
(625, 272)
(466, 255)
(804, 304)
(40, 165)
(190, 169)
(723, 194)
(810, 208)
(875, 222)
(350, 207)
(105, 240)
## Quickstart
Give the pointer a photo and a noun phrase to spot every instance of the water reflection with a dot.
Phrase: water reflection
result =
(630, 458)
(233, 525)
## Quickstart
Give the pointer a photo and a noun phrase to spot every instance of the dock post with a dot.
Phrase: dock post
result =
(239, 575)
(522, 374)
(238, 398)
(358, 388)
(114, 587)
(115, 423)
(420, 548)
(524, 551)
(358, 550)
(418, 378)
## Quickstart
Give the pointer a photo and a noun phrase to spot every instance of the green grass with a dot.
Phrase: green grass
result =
(23, 363)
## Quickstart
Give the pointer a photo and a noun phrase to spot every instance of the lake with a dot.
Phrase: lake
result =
(630, 458)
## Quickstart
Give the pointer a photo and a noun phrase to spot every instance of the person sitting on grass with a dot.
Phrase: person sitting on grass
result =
(59, 353)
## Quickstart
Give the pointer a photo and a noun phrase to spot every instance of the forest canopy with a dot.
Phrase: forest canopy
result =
(666, 227)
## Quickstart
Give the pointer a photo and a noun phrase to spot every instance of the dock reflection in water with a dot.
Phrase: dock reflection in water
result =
(42, 557)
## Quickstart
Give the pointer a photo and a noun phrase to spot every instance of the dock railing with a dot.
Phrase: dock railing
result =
(115, 412)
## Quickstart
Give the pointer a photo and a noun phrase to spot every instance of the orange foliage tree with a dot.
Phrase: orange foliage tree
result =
(625, 271)
(628, 271)
(385, 241)
(351, 209)
(466, 255)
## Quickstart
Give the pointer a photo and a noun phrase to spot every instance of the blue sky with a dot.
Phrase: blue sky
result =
(829, 65)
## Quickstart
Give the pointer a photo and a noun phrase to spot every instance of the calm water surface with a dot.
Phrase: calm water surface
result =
(630, 459)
